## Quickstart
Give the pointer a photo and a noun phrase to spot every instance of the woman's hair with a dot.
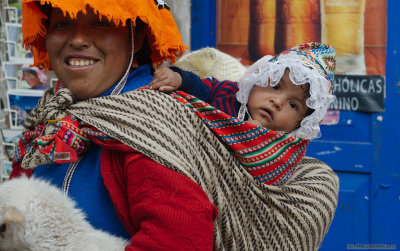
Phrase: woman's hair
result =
(46, 9)
(143, 55)
(30, 71)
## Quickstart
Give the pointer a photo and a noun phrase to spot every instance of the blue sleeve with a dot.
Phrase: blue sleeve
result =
(192, 84)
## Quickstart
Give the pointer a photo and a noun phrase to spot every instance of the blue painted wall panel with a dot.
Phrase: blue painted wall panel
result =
(352, 127)
(203, 26)
(385, 183)
(353, 212)
(343, 156)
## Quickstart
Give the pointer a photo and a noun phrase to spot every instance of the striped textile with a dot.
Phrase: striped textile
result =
(251, 215)
(270, 157)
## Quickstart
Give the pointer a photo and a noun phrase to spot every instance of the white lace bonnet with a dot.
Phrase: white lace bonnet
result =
(312, 63)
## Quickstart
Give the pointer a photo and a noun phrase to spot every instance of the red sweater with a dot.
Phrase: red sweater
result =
(160, 208)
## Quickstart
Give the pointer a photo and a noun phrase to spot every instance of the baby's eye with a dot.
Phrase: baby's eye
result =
(276, 87)
(293, 105)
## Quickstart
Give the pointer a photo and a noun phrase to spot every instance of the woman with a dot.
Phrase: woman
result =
(140, 164)
(35, 78)
(96, 54)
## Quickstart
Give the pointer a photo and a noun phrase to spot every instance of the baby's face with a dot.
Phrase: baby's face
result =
(279, 108)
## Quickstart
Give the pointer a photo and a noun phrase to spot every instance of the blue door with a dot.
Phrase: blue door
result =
(361, 148)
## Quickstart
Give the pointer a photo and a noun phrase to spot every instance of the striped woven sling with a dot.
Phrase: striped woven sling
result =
(251, 215)
(270, 157)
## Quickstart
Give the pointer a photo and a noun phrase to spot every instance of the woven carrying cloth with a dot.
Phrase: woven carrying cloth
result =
(269, 156)
(251, 215)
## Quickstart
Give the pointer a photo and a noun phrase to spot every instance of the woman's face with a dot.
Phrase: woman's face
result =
(87, 54)
(32, 80)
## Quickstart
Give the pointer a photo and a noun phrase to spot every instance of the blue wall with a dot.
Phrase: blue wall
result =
(385, 224)
(203, 27)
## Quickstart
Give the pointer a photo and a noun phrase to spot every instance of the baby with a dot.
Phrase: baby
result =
(289, 93)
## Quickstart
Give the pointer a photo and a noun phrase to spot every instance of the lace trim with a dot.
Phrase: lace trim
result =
(243, 111)
(263, 72)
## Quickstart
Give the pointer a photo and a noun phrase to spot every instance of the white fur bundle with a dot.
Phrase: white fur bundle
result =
(35, 215)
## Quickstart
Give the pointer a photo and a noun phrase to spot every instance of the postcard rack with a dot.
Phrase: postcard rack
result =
(16, 99)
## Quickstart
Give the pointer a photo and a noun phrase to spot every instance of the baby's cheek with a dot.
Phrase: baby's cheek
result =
(254, 122)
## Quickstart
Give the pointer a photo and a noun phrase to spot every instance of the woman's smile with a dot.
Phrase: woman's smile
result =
(80, 62)
(77, 62)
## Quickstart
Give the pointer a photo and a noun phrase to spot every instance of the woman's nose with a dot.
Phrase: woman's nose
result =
(79, 38)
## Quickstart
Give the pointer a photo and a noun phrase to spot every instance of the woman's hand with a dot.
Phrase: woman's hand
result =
(165, 80)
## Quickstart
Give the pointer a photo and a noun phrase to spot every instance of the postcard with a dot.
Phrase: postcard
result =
(21, 102)
(10, 141)
(14, 42)
(7, 165)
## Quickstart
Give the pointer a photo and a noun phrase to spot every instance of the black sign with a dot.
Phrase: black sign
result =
(361, 93)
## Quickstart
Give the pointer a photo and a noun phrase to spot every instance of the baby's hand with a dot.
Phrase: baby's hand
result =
(165, 80)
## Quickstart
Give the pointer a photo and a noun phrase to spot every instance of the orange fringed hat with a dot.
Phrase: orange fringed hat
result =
(163, 34)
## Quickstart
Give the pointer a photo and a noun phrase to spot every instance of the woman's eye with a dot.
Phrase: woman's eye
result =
(293, 105)
(59, 24)
(103, 23)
